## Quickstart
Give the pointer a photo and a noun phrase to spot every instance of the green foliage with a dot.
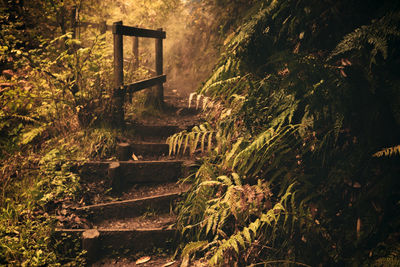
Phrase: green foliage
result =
(376, 35)
(200, 135)
(26, 222)
(318, 99)
(34, 184)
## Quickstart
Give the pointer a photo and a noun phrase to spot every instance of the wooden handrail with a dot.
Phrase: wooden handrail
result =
(138, 32)
(140, 85)
(120, 90)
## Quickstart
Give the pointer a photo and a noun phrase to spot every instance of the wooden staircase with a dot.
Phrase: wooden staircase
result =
(133, 211)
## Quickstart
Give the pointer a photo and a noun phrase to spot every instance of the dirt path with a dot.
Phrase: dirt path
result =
(128, 209)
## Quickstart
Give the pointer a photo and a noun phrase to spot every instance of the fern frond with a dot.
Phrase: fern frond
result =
(255, 154)
(180, 142)
(245, 238)
(193, 247)
(376, 34)
(32, 134)
(388, 152)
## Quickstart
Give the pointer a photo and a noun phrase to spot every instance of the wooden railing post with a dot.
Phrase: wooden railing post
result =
(159, 67)
(103, 27)
(73, 21)
(135, 52)
(118, 92)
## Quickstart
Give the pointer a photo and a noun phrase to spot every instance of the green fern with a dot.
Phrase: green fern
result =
(201, 135)
(256, 154)
(388, 152)
(376, 34)
(193, 247)
(29, 136)
(244, 238)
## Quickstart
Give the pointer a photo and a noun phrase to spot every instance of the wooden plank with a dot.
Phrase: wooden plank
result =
(139, 32)
(137, 86)
(121, 240)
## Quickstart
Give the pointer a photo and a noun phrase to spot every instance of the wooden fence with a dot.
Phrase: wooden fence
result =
(120, 89)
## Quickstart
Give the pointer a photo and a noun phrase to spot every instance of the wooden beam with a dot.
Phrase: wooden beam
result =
(159, 67)
(117, 94)
(139, 32)
(118, 58)
(137, 86)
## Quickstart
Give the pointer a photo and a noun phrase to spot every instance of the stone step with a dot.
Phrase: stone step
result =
(143, 149)
(100, 243)
(148, 220)
(98, 192)
(154, 131)
(116, 210)
(126, 173)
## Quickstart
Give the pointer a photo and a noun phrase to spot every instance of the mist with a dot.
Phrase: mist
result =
(191, 46)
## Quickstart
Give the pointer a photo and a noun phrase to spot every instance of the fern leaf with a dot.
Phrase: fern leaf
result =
(209, 183)
(236, 178)
(32, 134)
(254, 226)
(210, 222)
(233, 243)
(240, 240)
(233, 150)
(225, 179)
(191, 98)
(193, 247)
(210, 136)
(388, 152)
(246, 234)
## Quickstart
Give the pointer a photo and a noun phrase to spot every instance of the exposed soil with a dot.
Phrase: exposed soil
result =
(98, 192)
(175, 112)
(146, 190)
(144, 222)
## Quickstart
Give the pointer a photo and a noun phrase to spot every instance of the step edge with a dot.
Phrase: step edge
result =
(128, 201)
(110, 230)
(135, 162)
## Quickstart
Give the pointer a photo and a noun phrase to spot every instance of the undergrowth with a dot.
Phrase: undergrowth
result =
(36, 185)
(302, 137)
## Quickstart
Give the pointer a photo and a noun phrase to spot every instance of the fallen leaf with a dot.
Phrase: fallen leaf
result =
(143, 260)
(168, 264)
(77, 220)
(8, 73)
